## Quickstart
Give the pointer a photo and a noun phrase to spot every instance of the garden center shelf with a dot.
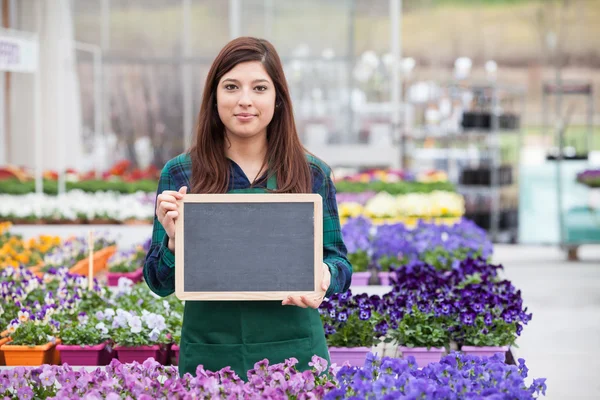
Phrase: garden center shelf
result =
(477, 126)
(578, 223)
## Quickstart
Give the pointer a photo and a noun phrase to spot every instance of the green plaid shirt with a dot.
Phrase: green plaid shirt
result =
(159, 266)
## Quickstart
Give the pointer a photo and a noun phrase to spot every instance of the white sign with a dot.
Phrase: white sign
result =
(18, 54)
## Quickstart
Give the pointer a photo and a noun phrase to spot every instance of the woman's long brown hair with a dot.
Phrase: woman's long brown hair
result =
(286, 156)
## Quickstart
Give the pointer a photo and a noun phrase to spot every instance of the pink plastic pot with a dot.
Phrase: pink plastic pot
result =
(356, 356)
(142, 353)
(422, 355)
(484, 351)
(113, 277)
(360, 278)
(82, 355)
(175, 350)
(384, 278)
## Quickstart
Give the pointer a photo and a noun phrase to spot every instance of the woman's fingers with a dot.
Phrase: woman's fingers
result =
(294, 301)
(326, 278)
(303, 301)
(167, 209)
(166, 206)
(171, 198)
(312, 302)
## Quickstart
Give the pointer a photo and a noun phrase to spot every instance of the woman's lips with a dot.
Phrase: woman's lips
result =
(244, 117)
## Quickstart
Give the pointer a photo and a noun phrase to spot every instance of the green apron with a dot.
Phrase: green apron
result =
(217, 334)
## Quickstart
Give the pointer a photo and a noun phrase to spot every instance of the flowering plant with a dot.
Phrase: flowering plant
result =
(75, 250)
(85, 332)
(351, 321)
(78, 205)
(15, 251)
(151, 380)
(33, 333)
(357, 238)
(129, 260)
(123, 261)
(396, 244)
(421, 329)
(469, 304)
(486, 331)
(456, 376)
(590, 177)
(131, 330)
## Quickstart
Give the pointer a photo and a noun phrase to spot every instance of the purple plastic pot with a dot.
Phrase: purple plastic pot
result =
(384, 278)
(360, 278)
(422, 355)
(484, 351)
(356, 356)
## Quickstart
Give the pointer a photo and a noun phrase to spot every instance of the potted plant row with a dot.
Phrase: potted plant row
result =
(352, 327)
(32, 343)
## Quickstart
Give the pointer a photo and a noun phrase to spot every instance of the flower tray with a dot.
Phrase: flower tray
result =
(100, 262)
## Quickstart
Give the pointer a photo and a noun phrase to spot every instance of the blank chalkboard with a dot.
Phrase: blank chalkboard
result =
(248, 246)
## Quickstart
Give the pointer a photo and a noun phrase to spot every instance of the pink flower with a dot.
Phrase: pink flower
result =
(309, 380)
(278, 380)
(319, 364)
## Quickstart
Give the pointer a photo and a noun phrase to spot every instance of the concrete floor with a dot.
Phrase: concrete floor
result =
(561, 343)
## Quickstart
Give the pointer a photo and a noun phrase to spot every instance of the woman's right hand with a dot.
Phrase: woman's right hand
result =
(166, 212)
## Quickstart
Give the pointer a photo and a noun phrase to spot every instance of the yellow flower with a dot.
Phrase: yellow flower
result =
(350, 209)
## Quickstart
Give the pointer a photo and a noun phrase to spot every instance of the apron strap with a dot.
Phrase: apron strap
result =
(272, 182)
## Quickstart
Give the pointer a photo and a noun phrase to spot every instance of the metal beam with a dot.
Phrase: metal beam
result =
(235, 19)
(396, 86)
(96, 52)
(186, 74)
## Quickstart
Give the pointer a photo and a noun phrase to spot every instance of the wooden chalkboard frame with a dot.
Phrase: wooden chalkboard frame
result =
(317, 201)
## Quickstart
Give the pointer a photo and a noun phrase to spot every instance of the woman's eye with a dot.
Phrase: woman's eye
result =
(261, 88)
(230, 87)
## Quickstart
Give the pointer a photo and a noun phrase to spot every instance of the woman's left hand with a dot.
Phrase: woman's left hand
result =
(313, 301)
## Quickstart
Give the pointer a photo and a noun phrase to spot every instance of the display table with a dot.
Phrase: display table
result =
(582, 225)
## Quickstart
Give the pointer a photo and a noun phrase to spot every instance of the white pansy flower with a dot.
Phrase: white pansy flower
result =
(154, 334)
(102, 328)
(23, 316)
(155, 321)
(135, 323)
(124, 286)
(109, 313)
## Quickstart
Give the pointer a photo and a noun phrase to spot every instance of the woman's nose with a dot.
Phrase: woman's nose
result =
(245, 99)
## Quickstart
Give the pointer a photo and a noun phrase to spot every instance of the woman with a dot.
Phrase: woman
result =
(246, 142)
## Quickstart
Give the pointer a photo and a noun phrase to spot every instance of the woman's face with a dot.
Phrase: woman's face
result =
(246, 100)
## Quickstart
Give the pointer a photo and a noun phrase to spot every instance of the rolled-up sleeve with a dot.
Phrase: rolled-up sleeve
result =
(159, 265)
(334, 248)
